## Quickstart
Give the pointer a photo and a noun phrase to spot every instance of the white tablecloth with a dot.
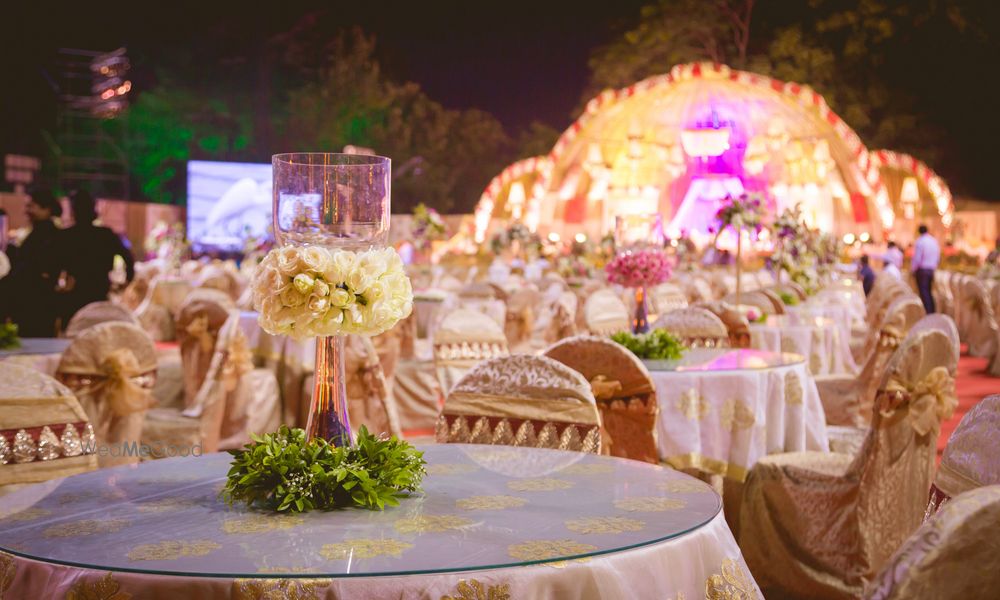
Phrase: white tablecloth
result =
(724, 421)
(820, 341)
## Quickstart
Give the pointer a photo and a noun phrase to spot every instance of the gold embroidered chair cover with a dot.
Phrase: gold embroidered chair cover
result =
(944, 300)
(723, 283)
(982, 330)
(522, 306)
(756, 299)
(155, 313)
(562, 319)
(953, 556)
(972, 457)
(522, 400)
(198, 325)
(698, 290)
(820, 525)
(136, 291)
(464, 338)
(368, 394)
(667, 297)
(44, 432)
(604, 313)
(847, 399)
(623, 389)
(696, 327)
(217, 277)
(111, 369)
(96, 313)
(737, 325)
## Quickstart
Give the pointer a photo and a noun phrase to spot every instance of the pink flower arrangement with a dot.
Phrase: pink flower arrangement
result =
(640, 268)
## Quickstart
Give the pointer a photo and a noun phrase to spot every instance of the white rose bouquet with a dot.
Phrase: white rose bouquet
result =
(310, 291)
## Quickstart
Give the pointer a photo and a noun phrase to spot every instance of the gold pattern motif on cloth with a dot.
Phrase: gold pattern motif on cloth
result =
(591, 469)
(732, 584)
(604, 525)
(105, 588)
(490, 502)
(260, 523)
(707, 464)
(85, 527)
(788, 345)
(8, 569)
(539, 485)
(28, 514)
(285, 570)
(649, 504)
(431, 523)
(736, 415)
(546, 549)
(278, 589)
(684, 486)
(793, 388)
(474, 589)
(815, 364)
(362, 548)
(172, 550)
(164, 505)
(692, 405)
(451, 469)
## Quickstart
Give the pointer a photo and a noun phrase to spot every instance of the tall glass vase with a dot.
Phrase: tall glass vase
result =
(640, 322)
(338, 201)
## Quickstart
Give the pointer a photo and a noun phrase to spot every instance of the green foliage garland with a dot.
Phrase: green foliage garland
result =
(8, 336)
(284, 472)
(658, 344)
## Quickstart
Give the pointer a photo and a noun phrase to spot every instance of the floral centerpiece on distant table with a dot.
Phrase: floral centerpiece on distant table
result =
(743, 213)
(639, 269)
(518, 239)
(168, 243)
(428, 227)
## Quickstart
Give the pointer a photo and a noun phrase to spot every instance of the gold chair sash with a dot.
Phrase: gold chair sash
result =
(929, 402)
(604, 388)
(238, 362)
(123, 394)
(198, 329)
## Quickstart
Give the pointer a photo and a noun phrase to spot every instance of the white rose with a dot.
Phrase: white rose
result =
(341, 264)
(291, 298)
(318, 304)
(341, 298)
(303, 283)
(287, 260)
(315, 258)
(321, 288)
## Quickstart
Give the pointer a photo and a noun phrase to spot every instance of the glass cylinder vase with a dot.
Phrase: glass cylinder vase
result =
(340, 202)
(640, 322)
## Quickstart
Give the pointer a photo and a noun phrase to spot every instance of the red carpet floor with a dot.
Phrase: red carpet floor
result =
(971, 385)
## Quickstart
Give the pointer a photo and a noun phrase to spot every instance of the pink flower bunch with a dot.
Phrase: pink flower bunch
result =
(639, 268)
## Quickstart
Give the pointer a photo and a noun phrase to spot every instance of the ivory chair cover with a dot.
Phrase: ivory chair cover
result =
(953, 556)
(136, 291)
(623, 389)
(737, 325)
(96, 313)
(983, 329)
(604, 313)
(220, 278)
(971, 459)
(157, 311)
(464, 338)
(698, 290)
(560, 318)
(33, 402)
(847, 399)
(522, 400)
(697, 327)
(756, 299)
(667, 297)
(821, 525)
(111, 369)
(522, 306)
(198, 324)
(944, 300)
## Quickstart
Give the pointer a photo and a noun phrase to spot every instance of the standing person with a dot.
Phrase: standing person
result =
(866, 274)
(894, 255)
(889, 266)
(28, 293)
(89, 252)
(926, 256)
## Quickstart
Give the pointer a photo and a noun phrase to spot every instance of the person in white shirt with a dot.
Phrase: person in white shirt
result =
(889, 266)
(926, 256)
(894, 255)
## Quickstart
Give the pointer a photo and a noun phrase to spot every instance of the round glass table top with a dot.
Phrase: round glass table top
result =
(38, 346)
(724, 359)
(481, 507)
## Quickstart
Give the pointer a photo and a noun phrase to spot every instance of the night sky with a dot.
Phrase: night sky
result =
(519, 60)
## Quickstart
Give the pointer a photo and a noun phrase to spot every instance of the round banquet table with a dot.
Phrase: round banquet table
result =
(40, 354)
(820, 339)
(492, 522)
(721, 410)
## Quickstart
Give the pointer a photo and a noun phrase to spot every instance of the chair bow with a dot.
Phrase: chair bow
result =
(890, 336)
(929, 402)
(198, 329)
(604, 388)
(122, 393)
(239, 361)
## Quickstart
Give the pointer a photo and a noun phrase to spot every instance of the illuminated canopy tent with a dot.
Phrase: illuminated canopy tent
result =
(679, 143)
(915, 192)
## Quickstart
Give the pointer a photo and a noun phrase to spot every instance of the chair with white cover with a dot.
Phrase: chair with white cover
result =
(522, 308)
(756, 299)
(44, 432)
(96, 313)
(953, 556)
(971, 459)
(111, 369)
(982, 330)
(198, 323)
(696, 327)
(698, 290)
(624, 391)
(560, 315)
(847, 399)
(464, 338)
(604, 313)
(156, 313)
(522, 400)
(821, 525)
(737, 325)
(218, 277)
(667, 297)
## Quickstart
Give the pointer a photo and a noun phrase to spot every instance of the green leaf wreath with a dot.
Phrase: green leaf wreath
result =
(284, 472)
(8, 336)
(658, 344)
